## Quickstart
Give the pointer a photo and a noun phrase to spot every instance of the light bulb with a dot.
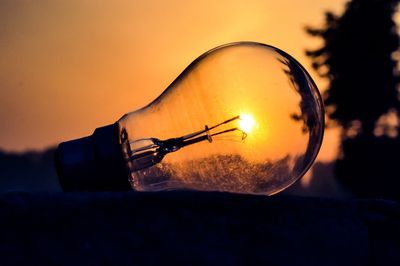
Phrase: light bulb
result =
(244, 117)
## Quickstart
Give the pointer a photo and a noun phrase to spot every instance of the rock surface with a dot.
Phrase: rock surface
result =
(193, 228)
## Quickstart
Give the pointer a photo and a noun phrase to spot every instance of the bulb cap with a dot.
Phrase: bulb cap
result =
(93, 163)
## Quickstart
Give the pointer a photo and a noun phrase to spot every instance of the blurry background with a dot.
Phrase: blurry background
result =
(68, 67)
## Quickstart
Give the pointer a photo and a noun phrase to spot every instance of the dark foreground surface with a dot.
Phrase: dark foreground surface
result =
(195, 229)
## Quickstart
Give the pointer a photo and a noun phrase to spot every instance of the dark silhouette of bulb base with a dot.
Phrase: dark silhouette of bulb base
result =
(93, 163)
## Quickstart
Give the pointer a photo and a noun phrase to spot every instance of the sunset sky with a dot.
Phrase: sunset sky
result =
(70, 66)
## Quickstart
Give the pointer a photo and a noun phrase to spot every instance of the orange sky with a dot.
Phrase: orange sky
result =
(70, 66)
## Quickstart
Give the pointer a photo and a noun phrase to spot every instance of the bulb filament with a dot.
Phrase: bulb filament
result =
(144, 153)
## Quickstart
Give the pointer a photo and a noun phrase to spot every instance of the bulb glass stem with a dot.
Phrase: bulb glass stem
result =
(144, 153)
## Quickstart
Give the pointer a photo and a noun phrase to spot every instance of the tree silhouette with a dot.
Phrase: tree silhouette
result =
(357, 58)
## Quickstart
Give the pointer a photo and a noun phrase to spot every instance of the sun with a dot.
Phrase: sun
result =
(246, 123)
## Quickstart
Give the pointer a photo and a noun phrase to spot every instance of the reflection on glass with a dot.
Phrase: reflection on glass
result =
(243, 117)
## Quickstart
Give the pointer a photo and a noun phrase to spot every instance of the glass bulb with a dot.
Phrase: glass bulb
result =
(243, 117)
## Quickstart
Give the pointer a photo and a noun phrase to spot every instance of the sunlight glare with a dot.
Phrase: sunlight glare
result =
(246, 123)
